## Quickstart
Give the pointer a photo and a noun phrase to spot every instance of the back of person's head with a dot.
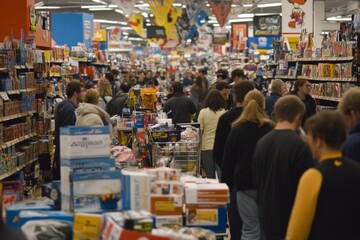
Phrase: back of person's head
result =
(254, 109)
(89, 85)
(109, 76)
(350, 102)
(177, 87)
(328, 126)
(298, 84)
(287, 108)
(222, 85)
(115, 72)
(222, 73)
(72, 87)
(203, 71)
(215, 101)
(199, 82)
(104, 88)
(241, 89)
(277, 86)
(125, 87)
(237, 73)
(92, 96)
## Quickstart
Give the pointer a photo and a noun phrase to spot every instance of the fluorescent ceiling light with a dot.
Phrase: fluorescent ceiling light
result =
(339, 18)
(93, 6)
(184, 6)
(212, 17)
(39, 4)
(145, 14)
(142, 5)
(100, 9)
(125, 33)
(47, 7)
(228, 27)
(99, 1)
(112, 6)
(151, 15)
(208, 5)
(216, 25)
(265, 14)
(241, 20)
(136, 39)
(212, 21)
(123, 23)
(119, 11)
(189, 40)
(148, 24)
(147, 20)
(202, 21)
(106, 21)
(269, 5)
(247, 5)
(126, 28)
(177, 4)
(246, 15)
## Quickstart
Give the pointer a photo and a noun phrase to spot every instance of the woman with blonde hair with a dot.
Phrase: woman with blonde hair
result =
(89, 113)
(105, 91)
(237, 171)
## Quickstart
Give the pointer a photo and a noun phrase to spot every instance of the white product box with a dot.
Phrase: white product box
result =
(214, 193)
(167, 187)
(164, 174)
(163, 221)
(84, 142)
(136, 190)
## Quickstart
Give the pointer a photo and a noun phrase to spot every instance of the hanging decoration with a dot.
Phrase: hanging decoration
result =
(160, 9)
(172, 18)
(136, 21)
(221, 10)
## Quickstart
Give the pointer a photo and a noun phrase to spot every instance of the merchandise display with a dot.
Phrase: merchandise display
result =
(141, 174)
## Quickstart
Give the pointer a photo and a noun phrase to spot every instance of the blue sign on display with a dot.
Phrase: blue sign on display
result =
(261, 42)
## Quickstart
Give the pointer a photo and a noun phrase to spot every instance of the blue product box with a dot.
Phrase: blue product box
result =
(94, 192)
(13, 211)
(26, 216)
(212, 217)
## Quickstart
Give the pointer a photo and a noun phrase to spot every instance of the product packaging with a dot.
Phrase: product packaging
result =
(87, 226)
(206, 193)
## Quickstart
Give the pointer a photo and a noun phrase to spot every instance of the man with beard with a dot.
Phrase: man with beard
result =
(65, 116)
(280, 158)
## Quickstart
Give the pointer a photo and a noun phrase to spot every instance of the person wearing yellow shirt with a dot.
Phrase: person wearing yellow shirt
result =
(327, 204)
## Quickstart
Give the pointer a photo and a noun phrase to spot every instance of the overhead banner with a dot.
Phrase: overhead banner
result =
(99, 35)
(160, 9)
(221, 10)
(239, 35)
(297, 15)
(261, 42)
(221, 35)
(137, 22)
(267, 26)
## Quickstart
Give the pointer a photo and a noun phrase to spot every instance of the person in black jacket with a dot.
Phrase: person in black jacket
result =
(302, 89)
(65, 116)
(222, 131)
(280, 158)
(117, 103)
(349, 106)
(331, 190)
(277, 91)
(237, 169)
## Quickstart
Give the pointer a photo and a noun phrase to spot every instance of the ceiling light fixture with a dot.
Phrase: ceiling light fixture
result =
(228, 27)
(99, 1)
(148, 24)
(216, 25)
(106, 21)
(112, 6)
(119, 11)
(266, 5)
(123, 23)
(246, 15)
(125, 33)
(47, 7)
(100, 9)
(177, 4)
(233, 5)
(142, 5)
(145, 14)
(241, 20)
(247, 5)
(184, 6)
(339, 18)
(93, 6)
(147, 20)
(126, 28)
(212, 21)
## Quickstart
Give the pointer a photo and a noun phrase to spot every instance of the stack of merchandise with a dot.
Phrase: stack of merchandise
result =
(89, 182)
(205, 204)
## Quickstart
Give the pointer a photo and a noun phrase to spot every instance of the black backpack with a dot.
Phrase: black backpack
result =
(116, 104)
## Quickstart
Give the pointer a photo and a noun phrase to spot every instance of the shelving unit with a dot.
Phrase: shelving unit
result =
(15, 116)
(325, 59)
(18, 91)
(333, 99)
(17, 169)
(328, 79)
(20, 139)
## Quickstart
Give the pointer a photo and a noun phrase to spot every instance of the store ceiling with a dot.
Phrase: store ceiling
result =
(332, 7)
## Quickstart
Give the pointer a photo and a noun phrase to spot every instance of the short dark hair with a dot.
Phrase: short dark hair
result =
(329, 126)
(287, 108)
(73, 87)
(222, 73)
(125, 87)
(177, 87)
(109, 76)
(203, 71)
(222, 85)
(115, 72)
(215, 101)
(237, 73)
(241, 89)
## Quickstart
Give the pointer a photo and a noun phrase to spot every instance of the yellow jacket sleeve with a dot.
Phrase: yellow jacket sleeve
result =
(304, 208)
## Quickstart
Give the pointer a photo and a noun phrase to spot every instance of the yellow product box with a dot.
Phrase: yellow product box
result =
(87, 226)
(163, 205)
(326, 70)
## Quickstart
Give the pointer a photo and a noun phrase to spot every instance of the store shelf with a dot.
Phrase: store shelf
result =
(328, 79)
(15, 141)
(3, 69)
(325, 59)
(57, 75)
(285, 77)
(17, 169)
(333, 99)
(18, 91)
(15, 116)
(125, 129)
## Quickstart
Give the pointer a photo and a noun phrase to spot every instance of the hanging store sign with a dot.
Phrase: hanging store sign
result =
(239, 35)
(100, 35)
(221, 10)
(297, 15)
(267, 26)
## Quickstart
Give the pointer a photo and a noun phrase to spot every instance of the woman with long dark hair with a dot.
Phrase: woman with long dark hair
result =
(302, 89)
(198, 92)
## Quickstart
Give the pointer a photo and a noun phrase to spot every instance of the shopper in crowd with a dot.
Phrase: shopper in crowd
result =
(104, 88)
(302, 89)
(65, 116)
(331, 190)
(237, 75)
(222, 131)
(280, 158)
(225, 91)
(214, 107)
(115, 84)
(179, 107)
(141, 79)
(188, 79)
(222, 75)
(89, 113)
(349, 106)
(119, 101)
(203, 73)
(198, 92)
(89, 85)
(277, 90)
(237, 162)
